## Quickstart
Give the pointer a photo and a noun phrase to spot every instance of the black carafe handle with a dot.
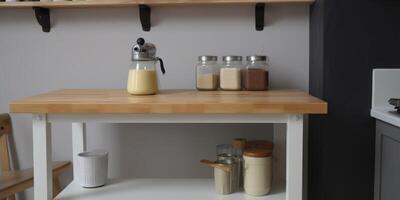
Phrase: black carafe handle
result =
(161, 65)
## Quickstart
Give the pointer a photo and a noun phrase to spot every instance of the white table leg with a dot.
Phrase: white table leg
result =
(294, 158)
(42, 161)
(78, 144)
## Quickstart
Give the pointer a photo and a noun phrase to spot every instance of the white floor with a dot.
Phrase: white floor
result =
(163, 189)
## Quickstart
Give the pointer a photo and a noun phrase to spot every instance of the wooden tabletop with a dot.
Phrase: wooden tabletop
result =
(171, 101)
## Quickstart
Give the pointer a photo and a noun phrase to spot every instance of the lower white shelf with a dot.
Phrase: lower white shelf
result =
(158, 189)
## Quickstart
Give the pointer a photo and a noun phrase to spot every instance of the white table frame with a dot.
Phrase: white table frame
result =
(42, 141)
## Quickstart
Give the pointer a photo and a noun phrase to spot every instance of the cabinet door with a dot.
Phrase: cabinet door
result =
(388, 162)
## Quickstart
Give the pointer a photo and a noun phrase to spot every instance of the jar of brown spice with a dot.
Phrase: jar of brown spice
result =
(255, 76)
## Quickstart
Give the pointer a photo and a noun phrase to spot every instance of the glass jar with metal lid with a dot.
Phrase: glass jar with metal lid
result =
(207, 73)
(255, 76)
(230, 78)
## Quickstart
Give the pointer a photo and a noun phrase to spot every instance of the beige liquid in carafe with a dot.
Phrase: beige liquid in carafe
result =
(142, 82)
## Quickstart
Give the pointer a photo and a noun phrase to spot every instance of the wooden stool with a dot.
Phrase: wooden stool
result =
(13, 181)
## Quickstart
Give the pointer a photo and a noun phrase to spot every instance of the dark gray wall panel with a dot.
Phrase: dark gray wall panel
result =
(350, 38)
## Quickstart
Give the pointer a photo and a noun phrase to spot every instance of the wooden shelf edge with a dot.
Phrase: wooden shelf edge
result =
(118, 101)
(127, 3)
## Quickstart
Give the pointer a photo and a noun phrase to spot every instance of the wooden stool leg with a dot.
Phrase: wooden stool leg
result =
(56, 186)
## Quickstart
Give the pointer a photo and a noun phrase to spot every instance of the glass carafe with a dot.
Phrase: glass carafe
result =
(142, 79)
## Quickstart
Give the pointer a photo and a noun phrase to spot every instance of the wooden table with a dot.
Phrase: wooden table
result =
(174, 106)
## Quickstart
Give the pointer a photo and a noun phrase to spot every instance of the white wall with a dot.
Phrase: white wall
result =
(90, 48)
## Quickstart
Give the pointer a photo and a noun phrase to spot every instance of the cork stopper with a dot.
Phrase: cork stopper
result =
(258, 153)
(259, 144)
(239, 143)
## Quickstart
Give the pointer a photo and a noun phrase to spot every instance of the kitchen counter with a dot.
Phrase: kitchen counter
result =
(386, 114)
(385, 85)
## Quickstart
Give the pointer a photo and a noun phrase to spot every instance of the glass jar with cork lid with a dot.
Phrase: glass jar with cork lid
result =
(207, 73)
(255, 76)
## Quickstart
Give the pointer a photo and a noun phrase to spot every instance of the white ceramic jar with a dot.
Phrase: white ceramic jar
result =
(93, 168)
(257, 171)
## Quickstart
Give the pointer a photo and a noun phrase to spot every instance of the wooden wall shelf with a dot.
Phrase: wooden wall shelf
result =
(42, 8)
(124, 3)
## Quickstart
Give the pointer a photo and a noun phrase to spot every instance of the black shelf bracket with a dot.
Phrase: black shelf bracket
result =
(145, 17)
(260, 13)
(43, 17)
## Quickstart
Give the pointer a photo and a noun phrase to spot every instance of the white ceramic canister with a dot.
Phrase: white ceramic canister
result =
(93, 168)
(257, 171)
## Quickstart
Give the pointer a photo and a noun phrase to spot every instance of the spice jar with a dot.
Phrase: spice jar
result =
(228, 154)
(207, 73)
(225, 150)
(230, 73)
(255, 76)
(225, 174)
(227, 179)
(257, 171)
(239, 144)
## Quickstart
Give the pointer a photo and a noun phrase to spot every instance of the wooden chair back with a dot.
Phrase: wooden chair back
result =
(5, 132)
